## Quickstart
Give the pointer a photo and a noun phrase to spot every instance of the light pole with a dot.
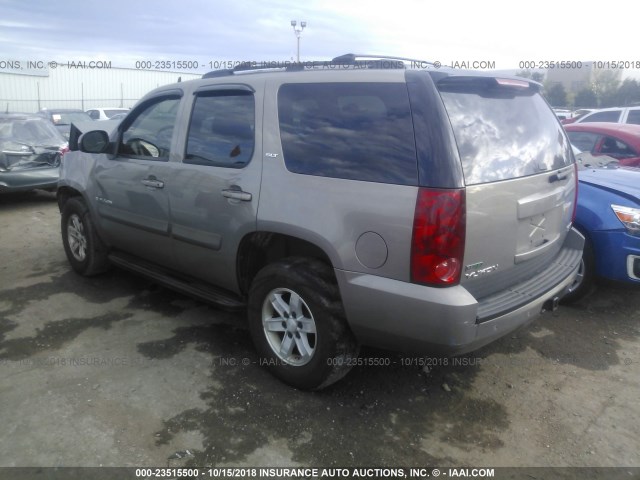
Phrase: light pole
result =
(298, 32)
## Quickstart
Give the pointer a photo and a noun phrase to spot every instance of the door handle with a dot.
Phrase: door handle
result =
(237, 195)
(557, 178)
(152, 182)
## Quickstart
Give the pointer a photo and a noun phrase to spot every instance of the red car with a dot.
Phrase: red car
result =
(618, 140)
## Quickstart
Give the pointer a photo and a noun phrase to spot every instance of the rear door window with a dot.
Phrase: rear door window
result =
(609, 116)
(222, 129)
(502, 132)
(356, 131)
(634, 117)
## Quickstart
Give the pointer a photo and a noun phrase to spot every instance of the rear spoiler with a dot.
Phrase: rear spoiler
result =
(487, 81)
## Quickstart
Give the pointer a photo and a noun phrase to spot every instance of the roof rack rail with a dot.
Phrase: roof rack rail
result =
(352, 58)
(255, 66)
(369, 61)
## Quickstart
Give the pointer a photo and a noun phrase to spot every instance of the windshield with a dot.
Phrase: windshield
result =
(503, 133)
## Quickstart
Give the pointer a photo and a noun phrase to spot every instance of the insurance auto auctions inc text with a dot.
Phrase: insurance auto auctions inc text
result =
(312, 473)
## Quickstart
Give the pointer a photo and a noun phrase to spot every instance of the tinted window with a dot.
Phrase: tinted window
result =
(583, 141)
(65, 118)
(503, 132)
(149, 135)
(610, 116)
(356, 131)
(221, 132)
(634, 117)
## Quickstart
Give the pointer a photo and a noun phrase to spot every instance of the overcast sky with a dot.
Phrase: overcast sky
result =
(126, 31)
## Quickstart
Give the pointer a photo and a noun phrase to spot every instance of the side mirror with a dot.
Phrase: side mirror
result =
(96, 141)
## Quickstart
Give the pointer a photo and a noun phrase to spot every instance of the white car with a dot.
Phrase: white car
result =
(582, 111)
(562, 113)
(613, 115)
(105, 113)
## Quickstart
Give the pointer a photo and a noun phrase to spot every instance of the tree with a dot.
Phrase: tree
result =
(585, 98)
(628, 93)
(608, 98)
(535, 76)
(556, 94)
(605, 83)
(524, 73)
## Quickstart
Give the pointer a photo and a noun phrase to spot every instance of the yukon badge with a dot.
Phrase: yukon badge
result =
(106, 201)
(475, 269)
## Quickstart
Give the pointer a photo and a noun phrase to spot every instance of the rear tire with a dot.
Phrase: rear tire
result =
(85, 251)
(583, 283)
(298, 325)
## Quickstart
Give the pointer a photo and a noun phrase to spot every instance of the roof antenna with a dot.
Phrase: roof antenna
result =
(179, 79)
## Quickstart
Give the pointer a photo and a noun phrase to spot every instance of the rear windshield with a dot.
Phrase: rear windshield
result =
(31, 131)
(503, 132)
(66, 118)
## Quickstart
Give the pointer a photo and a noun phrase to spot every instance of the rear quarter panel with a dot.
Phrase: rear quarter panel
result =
(335, 213)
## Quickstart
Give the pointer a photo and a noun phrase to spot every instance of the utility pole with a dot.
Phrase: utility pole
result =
(298, 32)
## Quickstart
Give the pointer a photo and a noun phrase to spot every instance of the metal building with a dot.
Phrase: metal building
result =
(25, 89)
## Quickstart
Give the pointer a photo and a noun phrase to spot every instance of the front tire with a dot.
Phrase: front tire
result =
(298, 325)
(85, 251)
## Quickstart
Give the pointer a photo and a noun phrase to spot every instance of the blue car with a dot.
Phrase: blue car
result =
(608, 215)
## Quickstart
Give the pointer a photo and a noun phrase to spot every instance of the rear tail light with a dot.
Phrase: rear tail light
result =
(512, 82)
(437, 245)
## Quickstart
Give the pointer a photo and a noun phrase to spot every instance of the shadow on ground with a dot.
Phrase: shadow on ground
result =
(394, 406)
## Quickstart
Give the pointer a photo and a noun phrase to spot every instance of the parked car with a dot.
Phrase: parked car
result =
(621, 142)
(63, 117)
(614, 115)
(105, 113)
(562, 113)
(415, 210)
(30, 153)
(609, 218)
(575, 115)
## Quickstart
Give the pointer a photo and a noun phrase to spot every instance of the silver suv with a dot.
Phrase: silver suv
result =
(353, 202)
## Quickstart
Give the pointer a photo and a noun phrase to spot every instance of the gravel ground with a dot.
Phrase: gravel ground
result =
(117, 371)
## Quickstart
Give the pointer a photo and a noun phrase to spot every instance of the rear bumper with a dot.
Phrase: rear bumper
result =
(29, 179)
(402, 316)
